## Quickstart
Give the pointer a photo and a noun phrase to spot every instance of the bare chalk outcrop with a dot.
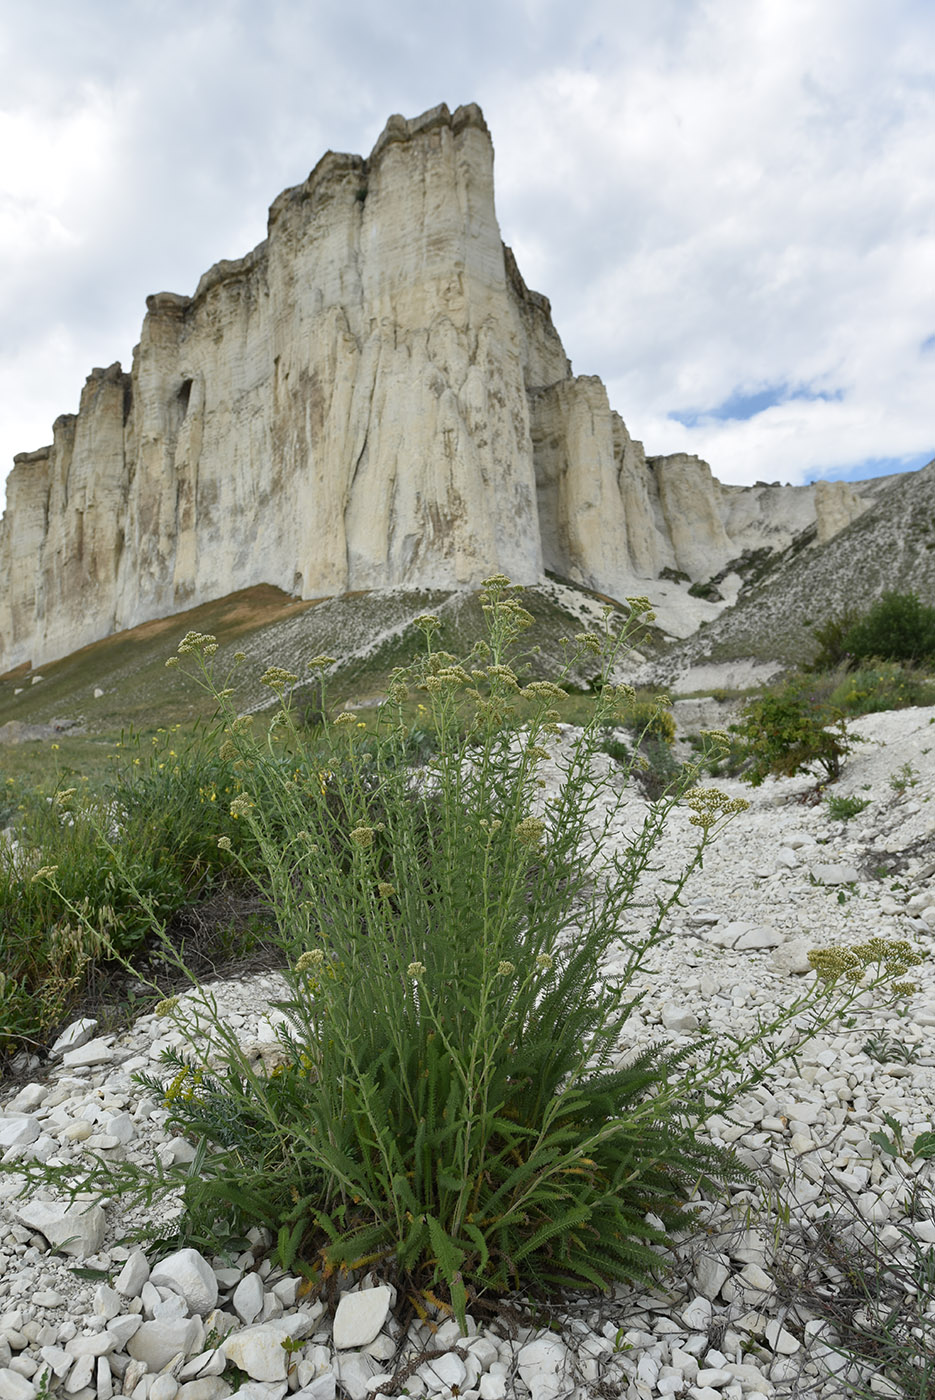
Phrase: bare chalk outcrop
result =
(370, 398)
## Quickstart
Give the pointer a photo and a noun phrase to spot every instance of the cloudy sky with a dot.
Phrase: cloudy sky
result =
(730, 203)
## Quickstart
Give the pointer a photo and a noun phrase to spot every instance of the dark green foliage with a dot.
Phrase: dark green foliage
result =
(831, 636)
(793, 730)
(899, 627)
(659, 770)
(841, 809)
(708, 591)
(648, 756)
(165, 810)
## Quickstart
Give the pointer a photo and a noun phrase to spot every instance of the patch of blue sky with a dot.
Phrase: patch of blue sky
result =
(739, 406)
(928, 345)
(876, 466)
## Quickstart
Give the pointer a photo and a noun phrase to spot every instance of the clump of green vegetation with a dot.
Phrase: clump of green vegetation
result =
(164, 807)
(647, 756)
(904, 777)
(457, 1101)
(841, 809)
(898, 627)
(793, 730)
(831, 636)
(887, 685)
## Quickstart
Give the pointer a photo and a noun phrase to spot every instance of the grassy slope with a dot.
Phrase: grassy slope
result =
(369, 633)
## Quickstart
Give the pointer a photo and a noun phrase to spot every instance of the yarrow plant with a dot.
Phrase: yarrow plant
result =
(457, 1103)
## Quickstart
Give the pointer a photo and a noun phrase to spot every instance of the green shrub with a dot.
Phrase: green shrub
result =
(841, 809)
(792, 730)
(831, 637)
(899, 627)
(457, 1102)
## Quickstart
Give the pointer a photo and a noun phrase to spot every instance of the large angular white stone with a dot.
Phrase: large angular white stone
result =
(190, 1275)
(247, 1298)
(78, 1033)
(95, 1052)
(75, 1229)
(259, 1351)
(543, 1366)
(679, 1019)
(13, 1386)
(360, 1316)
(156, 1342)
(133, 1275)
(18, 1132)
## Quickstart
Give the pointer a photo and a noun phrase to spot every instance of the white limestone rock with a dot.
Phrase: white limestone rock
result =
(372, 397)
(833, 874)
(18, 1131)
(247, 1298)
(156, 1342)
(77, 1229)
(93, 1052)
(190, 1275)
(133, 1275)
(259, 1351)
(678, 1018)
(543, 1367)
(78, 1033)
(13, 1386)
(359, 1316)
(323, 1387)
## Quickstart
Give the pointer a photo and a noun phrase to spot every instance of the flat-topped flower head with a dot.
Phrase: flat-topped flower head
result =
(710, 805)
(310, 961)
(277, 678)
(892, 956)
(194, 642)
(363, 836)
(530, 831)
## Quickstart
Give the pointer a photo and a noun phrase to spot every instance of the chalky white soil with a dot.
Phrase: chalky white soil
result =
(725, 1323)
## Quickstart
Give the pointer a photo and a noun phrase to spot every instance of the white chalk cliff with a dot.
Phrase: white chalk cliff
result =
(370, 398)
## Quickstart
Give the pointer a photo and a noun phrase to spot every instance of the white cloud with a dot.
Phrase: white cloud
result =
(718, 196)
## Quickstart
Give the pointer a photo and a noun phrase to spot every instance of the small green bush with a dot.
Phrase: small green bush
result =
(648, 757)
(899, 627)
(841, 809)
(831, 637)
(792, 730)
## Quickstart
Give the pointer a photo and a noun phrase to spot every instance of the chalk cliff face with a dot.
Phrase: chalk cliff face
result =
(370, 398)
